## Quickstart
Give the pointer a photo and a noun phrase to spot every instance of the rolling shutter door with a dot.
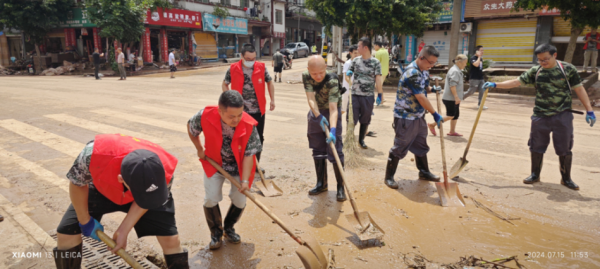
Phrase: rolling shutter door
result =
(441, 42)
(206, 45)
(507, 40)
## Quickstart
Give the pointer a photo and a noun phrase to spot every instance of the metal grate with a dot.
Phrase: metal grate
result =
(97, 256)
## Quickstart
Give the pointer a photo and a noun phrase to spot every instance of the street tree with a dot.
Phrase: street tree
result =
(580, 13)
(34, 18)
(371, 18)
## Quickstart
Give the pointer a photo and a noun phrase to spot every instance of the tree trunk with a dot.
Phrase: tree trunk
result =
(454, 31)
(38, 69)
(575, 32)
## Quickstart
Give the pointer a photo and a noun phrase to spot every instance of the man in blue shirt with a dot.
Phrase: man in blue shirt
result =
(409, 122)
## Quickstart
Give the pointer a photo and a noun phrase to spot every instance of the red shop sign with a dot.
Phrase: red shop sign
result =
(174, 17)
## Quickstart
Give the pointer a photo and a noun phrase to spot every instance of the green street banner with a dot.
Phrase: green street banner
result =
(77, 19)
(446, 14)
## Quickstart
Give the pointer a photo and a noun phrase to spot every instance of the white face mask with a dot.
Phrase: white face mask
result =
(249, 64)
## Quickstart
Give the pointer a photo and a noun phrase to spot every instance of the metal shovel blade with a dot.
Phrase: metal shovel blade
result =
(315, 248)
(372, 232)
(449, 194)
(458, 167)
(308, 258)
(268, 188)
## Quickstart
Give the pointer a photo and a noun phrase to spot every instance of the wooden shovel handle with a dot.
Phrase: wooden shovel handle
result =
(257, 202)
(262, 177)
(121, 252)
(441, 127)
(341, 168)
(475, 124)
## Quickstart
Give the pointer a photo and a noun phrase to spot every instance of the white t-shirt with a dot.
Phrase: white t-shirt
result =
(171, 59)
(347, 65)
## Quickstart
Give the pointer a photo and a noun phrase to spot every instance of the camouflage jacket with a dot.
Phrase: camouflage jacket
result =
(413, 81)
(365, 72)
(326, 91)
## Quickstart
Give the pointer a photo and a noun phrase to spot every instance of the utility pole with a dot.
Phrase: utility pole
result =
(455, 30)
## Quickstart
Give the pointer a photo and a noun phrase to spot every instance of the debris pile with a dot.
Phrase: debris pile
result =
(5, 71)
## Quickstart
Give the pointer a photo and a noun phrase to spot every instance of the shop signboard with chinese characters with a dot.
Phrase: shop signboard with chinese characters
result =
(147, 47)
(77, 18)
(97, 43)
(230, 25)
(497, 6)
(411, 43)
(174, 17)
(446, 14)
(545, 11)
(165, 45)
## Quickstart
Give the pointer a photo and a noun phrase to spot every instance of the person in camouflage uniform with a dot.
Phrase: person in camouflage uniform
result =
(409, 117)
(325, 101)
(366, 71)
(220, 142)
(553, 81)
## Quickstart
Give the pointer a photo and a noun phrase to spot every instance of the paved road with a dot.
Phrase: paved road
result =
(46, 121)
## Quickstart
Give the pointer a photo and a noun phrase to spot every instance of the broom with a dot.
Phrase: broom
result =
(353, 156)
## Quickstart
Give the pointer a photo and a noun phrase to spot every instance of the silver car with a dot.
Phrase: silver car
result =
(298, 49)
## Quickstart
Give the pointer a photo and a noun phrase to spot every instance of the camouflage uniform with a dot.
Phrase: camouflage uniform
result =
(409, 123)
(327, 91)
(363, 88)
(553, 98)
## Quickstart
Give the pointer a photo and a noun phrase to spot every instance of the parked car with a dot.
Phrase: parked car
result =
(298, 49)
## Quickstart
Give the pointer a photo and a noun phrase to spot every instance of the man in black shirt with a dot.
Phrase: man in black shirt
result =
(96, 57)
(476, 75)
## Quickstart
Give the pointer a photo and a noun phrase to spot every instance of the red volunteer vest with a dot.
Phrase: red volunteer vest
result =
(105, 165)
(258, 81)
(597, 38)
(213, 137)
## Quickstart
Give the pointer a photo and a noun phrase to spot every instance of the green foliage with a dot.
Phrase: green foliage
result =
(221, 12)
(35, 18)
(409, 17)
(164, 4)
(581, 13)
(111, 59)
(467, 70)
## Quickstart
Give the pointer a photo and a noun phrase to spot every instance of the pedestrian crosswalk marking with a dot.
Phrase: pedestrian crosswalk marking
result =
(35, 168)
(53, 141)
(177, 127)
(99, 127)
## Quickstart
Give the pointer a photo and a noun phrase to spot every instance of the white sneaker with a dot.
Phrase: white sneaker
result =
(484, 107)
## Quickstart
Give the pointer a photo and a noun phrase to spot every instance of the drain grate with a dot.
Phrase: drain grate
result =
(96, 256)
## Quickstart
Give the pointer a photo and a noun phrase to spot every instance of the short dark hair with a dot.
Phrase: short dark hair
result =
(231, 98)
(277, 50)
(429, 51)
(353, 48)
(248, 48)
(545, 48)
(379, 43)
(478, 47)
(366, 42)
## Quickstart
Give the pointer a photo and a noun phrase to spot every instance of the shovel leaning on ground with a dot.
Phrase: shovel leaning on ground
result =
(366, 228)
(266, 186)
(462, 162)
(449, 192)
(121, 252)
(310, 252)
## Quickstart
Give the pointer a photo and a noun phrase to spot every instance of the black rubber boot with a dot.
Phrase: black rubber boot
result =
(423, 166)
(321, 167)
(536, 168)
(70, 258)
(390, 171)
(361, 135)
(178, 260)
(565, 172)
(341, 193)
(233, 215)
(215, 224)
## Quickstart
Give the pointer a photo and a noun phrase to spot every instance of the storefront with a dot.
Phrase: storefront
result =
(77, 34)
(170, 29)
(225, 32)
(561, 35)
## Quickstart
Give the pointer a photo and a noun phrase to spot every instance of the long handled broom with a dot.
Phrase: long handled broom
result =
(352, 154)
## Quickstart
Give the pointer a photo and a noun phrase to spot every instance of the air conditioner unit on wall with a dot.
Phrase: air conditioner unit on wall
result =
(466, 27)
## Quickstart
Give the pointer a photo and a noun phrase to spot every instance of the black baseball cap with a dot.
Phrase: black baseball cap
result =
(144, 173)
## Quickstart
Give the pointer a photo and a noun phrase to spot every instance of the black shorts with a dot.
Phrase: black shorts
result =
(452, 109)
(159, 222)
(278, 68)
(173, 68)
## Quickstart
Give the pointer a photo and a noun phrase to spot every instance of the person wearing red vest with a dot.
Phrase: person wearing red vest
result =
(231, 140)
(591, 47)
(248, 77)
(113, 173)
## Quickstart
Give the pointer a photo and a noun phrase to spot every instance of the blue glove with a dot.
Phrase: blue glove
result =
(90, 228)
(379, 95)
(590, 118)
(349, 73)
(489, 85)
(331, 137)
(323, 122)
(438, 119)
(436, 89)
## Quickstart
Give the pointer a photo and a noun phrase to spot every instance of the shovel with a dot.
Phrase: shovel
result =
(462, 162)
(121, 252)
(362, 222)
(266, 186)
(310, 252)
(449, 193)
